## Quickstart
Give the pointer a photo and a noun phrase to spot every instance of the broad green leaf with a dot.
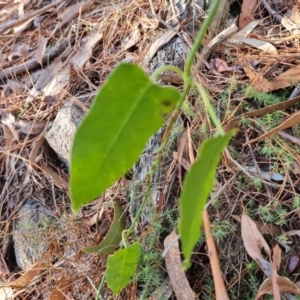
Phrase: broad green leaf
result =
(114, 234)
(128, 109)
(121, 266)
(197, 186)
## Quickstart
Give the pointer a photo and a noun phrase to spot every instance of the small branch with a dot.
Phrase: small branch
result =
(222, 36)
(221, 293)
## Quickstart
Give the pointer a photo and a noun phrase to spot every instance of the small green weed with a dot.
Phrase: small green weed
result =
(273, 213)
(151, 274)
(296, 202)
(221, 229)
(264, 99)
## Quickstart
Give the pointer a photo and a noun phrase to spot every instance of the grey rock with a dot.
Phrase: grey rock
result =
(138, 185)
(30, 235)
(61, 132)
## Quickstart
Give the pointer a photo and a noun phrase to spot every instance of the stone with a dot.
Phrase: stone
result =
(30, 233)
(61, 132)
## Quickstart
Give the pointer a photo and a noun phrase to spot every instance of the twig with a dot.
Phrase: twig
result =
(289, 137)
(241, 168)
(220, 191)
(221, 293)
(222, 36)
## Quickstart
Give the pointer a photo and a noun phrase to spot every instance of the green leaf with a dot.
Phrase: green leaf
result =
(128, 109)
(121, 266)
(197, 186)
(114, 234)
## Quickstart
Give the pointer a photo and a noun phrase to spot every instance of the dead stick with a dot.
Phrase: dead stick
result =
(221, 293)
(33, 64)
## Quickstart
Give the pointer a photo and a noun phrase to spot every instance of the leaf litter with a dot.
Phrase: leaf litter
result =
(249, 82)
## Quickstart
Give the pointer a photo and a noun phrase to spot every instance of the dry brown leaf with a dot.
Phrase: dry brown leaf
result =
(295, 16)
(61, 289)
(261, 45)
(57, 179)
(258, 81)
(67, 14)
(242, 36)
(246, 15)
(7, 136)
(286, 79)
(30, 274)
(31, 127)
(292, 120)
(48, 74)
(177, 276)
(37, 144)
(163, 292)
(182, 161)
(219, 65)
(8, 119)
(252, 238)
(40, 51)
(263, 227)
(91, 220)
(285, 286)
(265, 266)
(268, 228)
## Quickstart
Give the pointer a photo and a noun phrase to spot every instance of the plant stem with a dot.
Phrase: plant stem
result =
(124, 232)
(197, 43)
(98, 297)
(164, 69)
(187, 86)
(147, 194)
(209, 108)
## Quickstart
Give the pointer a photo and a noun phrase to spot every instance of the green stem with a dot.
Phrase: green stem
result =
(209, 108)
(124, 232)
(130, 230)
(187, 78)
(187, 86)
(197, 43)
(164, 69)
(98, 297)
